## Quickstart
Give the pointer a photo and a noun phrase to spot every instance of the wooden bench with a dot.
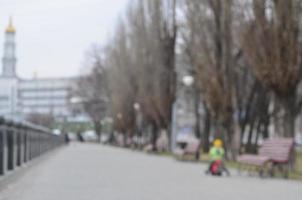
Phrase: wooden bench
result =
(273, 153)
(191, 148)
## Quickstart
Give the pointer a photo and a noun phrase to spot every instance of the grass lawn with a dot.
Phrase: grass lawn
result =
(294, 175)
(297, 174)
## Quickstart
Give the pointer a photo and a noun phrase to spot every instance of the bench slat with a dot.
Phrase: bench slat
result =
(253, 159)
(275, 150)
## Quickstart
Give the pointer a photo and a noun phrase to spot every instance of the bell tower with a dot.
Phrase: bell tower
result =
(9, 58)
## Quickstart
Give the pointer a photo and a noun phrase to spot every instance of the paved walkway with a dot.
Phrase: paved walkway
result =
(92, 172)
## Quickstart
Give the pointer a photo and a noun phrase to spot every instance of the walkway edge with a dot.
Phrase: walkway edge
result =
(19, 172)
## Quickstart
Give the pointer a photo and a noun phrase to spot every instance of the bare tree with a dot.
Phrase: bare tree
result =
(122, 81)
(141, 62)
(46, 120)
(273, 49)
(92, 90)
(210, 48)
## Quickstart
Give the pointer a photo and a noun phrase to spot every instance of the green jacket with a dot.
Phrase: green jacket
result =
(216, 153)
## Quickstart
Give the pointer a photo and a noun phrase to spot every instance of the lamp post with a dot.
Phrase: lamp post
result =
(76, 100)
(189, 81)
(137, 108)
(120, 120)
(119, 116)
(186, 81)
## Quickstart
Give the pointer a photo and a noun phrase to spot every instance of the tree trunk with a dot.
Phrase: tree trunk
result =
(197, 114)
(255, 146)
(289, 117)
(244, 122)
(249, 141)
(154, 135)
(98, 130)
(231, 148)
(266, 122)
(206, 132)
(236, 143)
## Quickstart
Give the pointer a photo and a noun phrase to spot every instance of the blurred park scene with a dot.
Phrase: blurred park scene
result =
(173, 79)
(213, 69)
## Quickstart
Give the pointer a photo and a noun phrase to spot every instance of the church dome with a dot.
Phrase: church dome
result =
(10, 28)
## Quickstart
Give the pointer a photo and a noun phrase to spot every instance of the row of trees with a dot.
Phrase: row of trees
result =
(245, 57)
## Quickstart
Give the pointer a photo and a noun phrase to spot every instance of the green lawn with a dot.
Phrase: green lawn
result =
(294, 175)
(297, 174)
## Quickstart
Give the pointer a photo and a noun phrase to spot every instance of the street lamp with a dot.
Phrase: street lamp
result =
(189, 81)
(119, 116)
(136, 106)
(75, 100)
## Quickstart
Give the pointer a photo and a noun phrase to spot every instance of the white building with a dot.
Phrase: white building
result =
(8, 97)
(9, 80)
(20, 97)
(45, 96)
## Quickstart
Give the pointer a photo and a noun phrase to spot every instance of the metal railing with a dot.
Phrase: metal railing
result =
(21, 142)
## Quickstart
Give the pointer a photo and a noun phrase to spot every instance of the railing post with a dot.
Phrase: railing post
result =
(39, 143)
(20, 144)
(25, 140)
(3, 149)
(32, 144)
(35, 144)
(12, 147)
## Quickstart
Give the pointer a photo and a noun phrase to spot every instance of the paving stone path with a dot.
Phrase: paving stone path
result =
(94, 172)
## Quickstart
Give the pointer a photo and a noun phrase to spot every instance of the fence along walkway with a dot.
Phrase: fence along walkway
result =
(22, 142)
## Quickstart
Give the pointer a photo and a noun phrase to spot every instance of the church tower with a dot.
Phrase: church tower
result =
(9, 58)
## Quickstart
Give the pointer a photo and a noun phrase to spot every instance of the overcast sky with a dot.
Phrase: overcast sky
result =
(53, 35)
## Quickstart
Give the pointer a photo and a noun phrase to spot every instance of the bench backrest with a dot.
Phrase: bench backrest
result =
(192, 147)
(278, 149)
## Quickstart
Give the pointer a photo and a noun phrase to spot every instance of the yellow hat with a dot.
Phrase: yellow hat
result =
(218, 143)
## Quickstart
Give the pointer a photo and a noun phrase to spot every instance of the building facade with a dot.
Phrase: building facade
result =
(20, 97)
(49, 96)
(8, 97)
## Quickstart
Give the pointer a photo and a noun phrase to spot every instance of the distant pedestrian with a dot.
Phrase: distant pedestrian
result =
(66, 138)
(80, 137)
